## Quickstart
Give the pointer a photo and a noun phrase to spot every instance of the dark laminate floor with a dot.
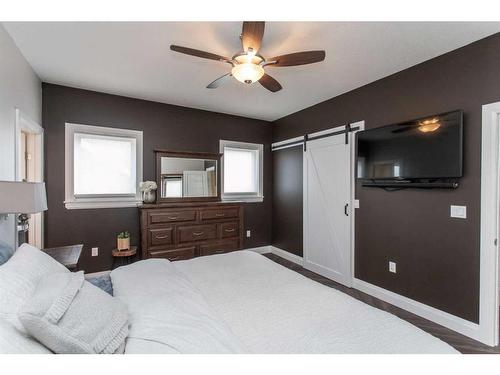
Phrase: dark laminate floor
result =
(462, 343)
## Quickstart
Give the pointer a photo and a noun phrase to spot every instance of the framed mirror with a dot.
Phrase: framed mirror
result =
(187, 176)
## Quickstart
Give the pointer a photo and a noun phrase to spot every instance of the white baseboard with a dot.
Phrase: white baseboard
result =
(261, 249)
(286, 255)
(440, 317)
(279, 252)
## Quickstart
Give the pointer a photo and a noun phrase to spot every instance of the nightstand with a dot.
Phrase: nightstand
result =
(125, 256)
(68, 256)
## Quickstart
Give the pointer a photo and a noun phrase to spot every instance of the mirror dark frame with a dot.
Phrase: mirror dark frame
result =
(188, 155)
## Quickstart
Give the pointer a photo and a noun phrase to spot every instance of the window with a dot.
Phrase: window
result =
(172, 186)
(242, 171)
(103, 167)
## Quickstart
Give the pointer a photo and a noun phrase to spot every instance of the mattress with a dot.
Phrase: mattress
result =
(272, 309)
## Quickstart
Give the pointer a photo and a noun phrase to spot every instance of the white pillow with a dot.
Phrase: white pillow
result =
(14, 342)
(69, 315)
(19, 277)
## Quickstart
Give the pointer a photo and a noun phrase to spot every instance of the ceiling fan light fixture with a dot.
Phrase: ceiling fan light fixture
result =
(248, 64)
(247, 72)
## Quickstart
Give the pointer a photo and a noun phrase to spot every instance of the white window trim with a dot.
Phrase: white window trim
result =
(71, 202)
(250, 197)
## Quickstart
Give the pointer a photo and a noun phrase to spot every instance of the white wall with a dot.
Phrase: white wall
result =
(19, 88)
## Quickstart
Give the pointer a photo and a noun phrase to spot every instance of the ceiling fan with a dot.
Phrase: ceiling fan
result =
(248, 65)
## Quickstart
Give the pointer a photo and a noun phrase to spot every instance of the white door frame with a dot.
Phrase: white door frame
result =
(488, 328)
(26, 124)
(353, 203)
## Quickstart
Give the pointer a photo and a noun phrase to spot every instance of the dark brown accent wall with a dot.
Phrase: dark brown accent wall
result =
(437, 256)
(165, 127)
(287, 199)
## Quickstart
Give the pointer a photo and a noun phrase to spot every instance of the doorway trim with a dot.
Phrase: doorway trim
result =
(25, 124)
(488, 328)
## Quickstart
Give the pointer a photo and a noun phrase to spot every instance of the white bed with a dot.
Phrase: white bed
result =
(255, 305)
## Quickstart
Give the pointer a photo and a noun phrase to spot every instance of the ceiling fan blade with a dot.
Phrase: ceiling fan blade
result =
(298, 58)
(270, 83)
(219, 81)
(198, 53)
(251, 35)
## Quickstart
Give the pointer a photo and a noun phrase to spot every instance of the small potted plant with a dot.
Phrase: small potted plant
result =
(123, 241)
(148, 189)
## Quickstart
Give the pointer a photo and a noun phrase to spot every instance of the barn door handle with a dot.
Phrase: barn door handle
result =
(345, 209)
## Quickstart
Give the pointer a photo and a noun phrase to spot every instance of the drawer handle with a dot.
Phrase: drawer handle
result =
(220, 215)
(230, 230)
(219, 251)
(174, 258)
(198, 233)
(173, 217)
(161, 237)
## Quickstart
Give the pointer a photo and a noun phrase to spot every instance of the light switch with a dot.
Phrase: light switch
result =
(458, 211)
(356, 203)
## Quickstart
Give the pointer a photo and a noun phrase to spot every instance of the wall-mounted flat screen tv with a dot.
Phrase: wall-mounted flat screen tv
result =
(427, 148)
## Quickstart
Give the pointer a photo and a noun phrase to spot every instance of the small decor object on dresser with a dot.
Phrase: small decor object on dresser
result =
(123, 241)
(148, 189)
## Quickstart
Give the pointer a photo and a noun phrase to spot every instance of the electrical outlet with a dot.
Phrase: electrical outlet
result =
(392, 267)
(95, 251)
(249, 233)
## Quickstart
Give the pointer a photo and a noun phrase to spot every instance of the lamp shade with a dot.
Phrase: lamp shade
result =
(22, 197)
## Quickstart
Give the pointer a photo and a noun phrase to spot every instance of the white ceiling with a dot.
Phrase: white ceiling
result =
(134, 59)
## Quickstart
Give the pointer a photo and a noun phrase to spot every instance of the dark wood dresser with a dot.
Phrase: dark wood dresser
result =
(177, 231)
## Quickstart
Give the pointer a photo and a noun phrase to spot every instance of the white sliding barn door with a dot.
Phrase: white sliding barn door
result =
(327, 206)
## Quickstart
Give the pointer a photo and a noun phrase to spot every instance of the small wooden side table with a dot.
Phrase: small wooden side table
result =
(125, 256)
(68, 256)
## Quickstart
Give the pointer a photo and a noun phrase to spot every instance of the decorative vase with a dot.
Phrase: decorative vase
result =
(149, 196)
(123, 243)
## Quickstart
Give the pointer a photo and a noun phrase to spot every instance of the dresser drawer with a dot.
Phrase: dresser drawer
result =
(161, 236)
(197, 233)
(175, 254)
(229, 230)
(219, 247)
(222, 213)
(171, 216)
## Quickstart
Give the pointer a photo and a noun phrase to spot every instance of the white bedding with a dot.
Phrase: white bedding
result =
(167, 313)
(243, 301)
(272, 309)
